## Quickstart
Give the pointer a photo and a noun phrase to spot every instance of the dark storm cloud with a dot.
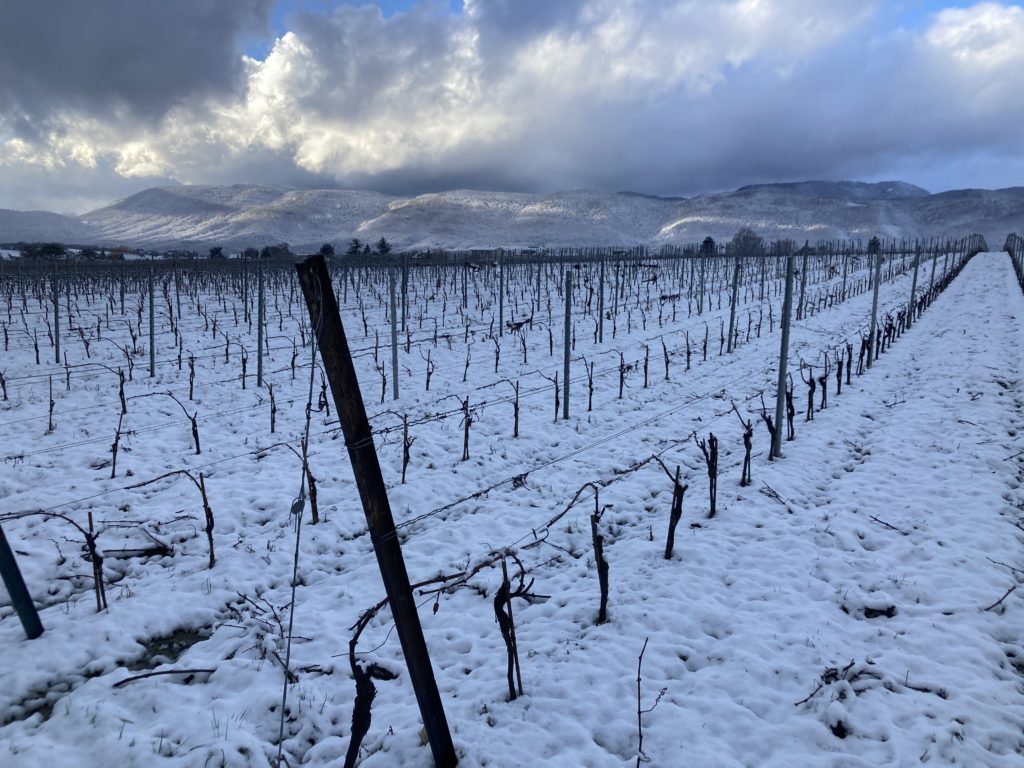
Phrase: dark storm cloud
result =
(938, 109)
(660, 96)
(138, 55)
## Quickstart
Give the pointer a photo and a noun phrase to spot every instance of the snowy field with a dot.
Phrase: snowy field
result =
(854, 606)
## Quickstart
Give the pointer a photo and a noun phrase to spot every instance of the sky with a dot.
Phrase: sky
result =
(100, 100)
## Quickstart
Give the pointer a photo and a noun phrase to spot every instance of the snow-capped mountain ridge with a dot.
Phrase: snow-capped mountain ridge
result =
(241, 215)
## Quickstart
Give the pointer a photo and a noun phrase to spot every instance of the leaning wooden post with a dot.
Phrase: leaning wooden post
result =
(567, 343)
(341, 374)
(780, 393)
(394, 332)
(16, 588)
(732, 303)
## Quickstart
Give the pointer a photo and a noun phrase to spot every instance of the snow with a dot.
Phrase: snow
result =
(195, 217)
(831, 614)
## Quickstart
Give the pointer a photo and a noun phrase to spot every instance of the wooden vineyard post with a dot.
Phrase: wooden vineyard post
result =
(913, 286)
(501, 293)
(16, 588)
(846, 261)
(800, 309)
(935, 258)
(567, 343)
(536, 292)
(405, 301)
(341, 374)
(600, 303)
(874, 305)
(177, 290)
(700, 295)
(615, 299)
(394, 332)
(152, 327)
(56, 317)
(780, 393)
(764, 267)
(732, 303)
(245, 290)
(260, 312)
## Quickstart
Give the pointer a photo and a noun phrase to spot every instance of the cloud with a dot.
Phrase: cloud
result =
(661, 96)
(140, 57)
(984, 37)
(356, 94)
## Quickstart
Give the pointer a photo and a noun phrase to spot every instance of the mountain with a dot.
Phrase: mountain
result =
(829, 210)
(845, 190)
(42, 226)
(244, 215)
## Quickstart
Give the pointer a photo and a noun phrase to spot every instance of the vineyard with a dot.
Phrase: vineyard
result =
(610, 565)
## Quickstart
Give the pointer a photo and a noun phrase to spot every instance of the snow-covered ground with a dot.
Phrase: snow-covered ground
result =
(833, 613)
